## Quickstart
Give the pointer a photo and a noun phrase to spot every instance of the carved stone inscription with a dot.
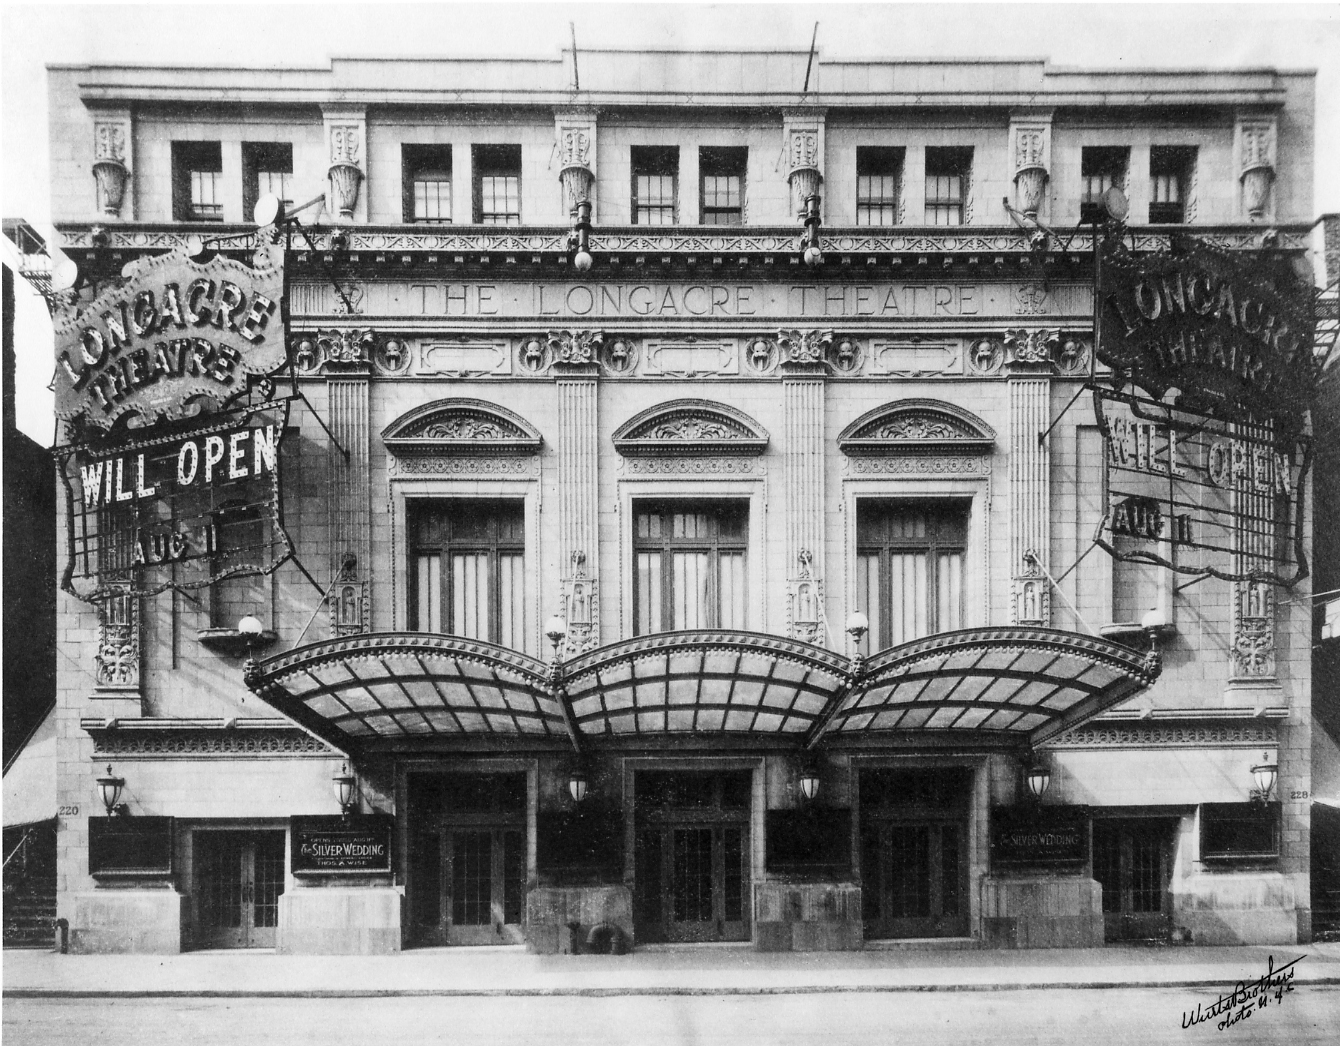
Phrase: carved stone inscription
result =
(680, 301)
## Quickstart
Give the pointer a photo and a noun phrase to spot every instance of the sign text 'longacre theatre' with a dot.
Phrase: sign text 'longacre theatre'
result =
(173, 330)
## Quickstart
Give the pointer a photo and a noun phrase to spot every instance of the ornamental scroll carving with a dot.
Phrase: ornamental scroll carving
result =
(690, 427)
(574, 145)
(170, 743)
(917, 425)
(581, 608)
(118, 658)
(1035, 346)
(573, 346)
(804, 601)
(1253, 653)
(467, 427)
(109, 142)
(346, 142)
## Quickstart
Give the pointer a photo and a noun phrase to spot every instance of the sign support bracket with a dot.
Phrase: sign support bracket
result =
(326, 428)
(1042, 436)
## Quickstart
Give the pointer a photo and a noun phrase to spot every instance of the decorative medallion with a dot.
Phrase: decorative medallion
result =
(986, 356)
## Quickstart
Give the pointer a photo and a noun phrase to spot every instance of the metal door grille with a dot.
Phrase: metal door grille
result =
(472, 878)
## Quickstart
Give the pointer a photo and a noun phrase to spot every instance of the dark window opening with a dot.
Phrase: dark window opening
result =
(948, 173)
(909, 568)
(1101, 168)
(1170, 168)
(267, 169)
(879, 175)
(1239, 831)
(467, 570)
(426, 181)
(721, 172)
(655, 181)
(497, 188)
(689, 565)
(197, 182)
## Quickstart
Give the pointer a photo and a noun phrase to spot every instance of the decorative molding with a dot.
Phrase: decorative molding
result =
(1169, 735)
(1253, 651)
(1031, 151)
(1001, 240)
(1030, 299)
(392, 356)
(1030, 602)
(690, 426)
(117, 662)
(986, 356)
(439, 465)
(804, 347)
(177, 743)
(581, 608)
(464, 357)
(111, 168)
(804, 601)
(350, 607)
(690, 357)
(921, 465)
(464, 425)
(920, 425)
(1036, 346)
(693, 465)
(352, 346)
(916, 357)
(1256, 139)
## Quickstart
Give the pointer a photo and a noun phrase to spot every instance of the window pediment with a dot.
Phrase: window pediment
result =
(917, 425)
(459, 425)
(690, 426)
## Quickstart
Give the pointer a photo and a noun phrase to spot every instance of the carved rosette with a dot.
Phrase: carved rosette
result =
(118, 658)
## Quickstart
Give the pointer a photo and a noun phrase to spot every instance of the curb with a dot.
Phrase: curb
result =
(603, 993)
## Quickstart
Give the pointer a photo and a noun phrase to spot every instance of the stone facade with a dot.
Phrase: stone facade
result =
(465, 361)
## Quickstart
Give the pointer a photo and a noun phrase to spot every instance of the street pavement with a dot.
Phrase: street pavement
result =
(1310, 1014)
(698, 996)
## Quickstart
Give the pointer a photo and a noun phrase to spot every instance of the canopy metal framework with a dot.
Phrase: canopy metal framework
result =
(987, 685)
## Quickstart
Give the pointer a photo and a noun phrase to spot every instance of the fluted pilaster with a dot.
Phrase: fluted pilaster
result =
(803, 400)
(1030, 496)
(578, 494)
(350, 504)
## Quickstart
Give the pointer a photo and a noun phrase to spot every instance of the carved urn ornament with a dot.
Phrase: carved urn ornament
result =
(1030, 174)
(109, 167)
(1258, 168)
(345, 175)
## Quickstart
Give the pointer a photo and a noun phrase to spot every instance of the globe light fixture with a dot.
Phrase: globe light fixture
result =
(109, 788)
(1037, 777)
(344, 785)
(809, 782)
(577, 784)
(1264, 774)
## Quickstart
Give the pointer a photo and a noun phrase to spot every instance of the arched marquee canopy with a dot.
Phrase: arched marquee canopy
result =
(987, 686)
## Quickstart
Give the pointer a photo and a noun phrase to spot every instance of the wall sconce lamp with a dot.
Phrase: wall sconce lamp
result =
(109, 788)
(1036, 776)
(1264, 774)
(809, 781)
(810, 252)
(579, 239)
(857, 626)
(577, 783)
(555, 630)
(344, 785)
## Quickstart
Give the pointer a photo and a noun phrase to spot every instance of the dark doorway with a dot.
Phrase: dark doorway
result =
(1132, 861)
(239, 876)
(467, 858)
(914, 857)
(692, 856)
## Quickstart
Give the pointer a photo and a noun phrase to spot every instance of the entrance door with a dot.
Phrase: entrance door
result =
(1132, 860)
(239, 877)
(467, 858)
(692, 856)
(914, 853)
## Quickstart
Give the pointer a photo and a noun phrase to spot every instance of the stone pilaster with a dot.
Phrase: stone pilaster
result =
(1031, 159)
(575, 133)
(578, 503)
(1030, 474)
(113, 149)
(347, 157)
(803, 403)
(803, 134)
(1252, 657)
(349, 505)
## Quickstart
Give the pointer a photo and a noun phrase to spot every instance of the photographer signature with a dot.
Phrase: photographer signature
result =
(1246, 998)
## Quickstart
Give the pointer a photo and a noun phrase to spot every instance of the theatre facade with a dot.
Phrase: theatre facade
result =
(652, 497)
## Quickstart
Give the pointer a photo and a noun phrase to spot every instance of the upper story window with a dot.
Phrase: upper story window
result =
(497, 184)
(1101, 168)
(948, 169)
(655, 177)
(909, 568)
(197, 182)
(467, 569)
(879, 175)
(721, 172)
(1170, 169)
(425, 172)
(689, 560)
(267, 169)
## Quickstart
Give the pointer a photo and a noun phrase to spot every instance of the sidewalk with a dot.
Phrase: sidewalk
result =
(709, 970)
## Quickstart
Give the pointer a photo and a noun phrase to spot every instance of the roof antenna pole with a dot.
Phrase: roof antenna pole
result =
(576, 80)
(808, 65)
